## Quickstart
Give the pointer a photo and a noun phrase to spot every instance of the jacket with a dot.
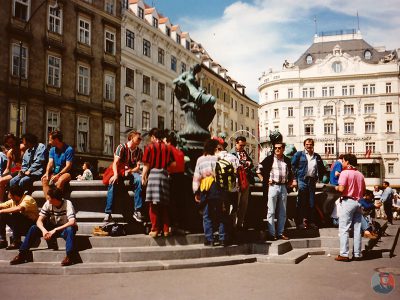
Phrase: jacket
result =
(267, 166)
(34, 160)
(300, 165)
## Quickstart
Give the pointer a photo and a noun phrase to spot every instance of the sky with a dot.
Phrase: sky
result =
(250, 36)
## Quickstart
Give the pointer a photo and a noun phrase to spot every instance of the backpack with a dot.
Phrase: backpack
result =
(225, 175)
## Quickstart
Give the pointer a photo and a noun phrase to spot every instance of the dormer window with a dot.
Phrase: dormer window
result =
(168, 31)
(140, 12)
(178, 38)
(337, 67)
(155, 22)
(309, 59)
(367, 55)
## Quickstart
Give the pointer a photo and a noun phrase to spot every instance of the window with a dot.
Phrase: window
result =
(309, 129)
(276, 113)
(83, 134)
(308, 111)
(187, 45)
(83, 80)
(109, 42)
(372, 89)
(55, 20)
(241, 109)
(183, 69)
(370, 146)
(349, 128)
(84, 31)
(21, 9)
(125, 4)
(351, 90)
(344, 90)
(390, 168)
(146, 85)
(312, 92)
(140, 12)
(15, 61)
(389, 126)
(160, 121)
(231, 125)
(328, 110)
(309, 59)
(178, 38)
(368, 108)
(388, 107)
(109, 6)
(305, 92)
(161, 91)
(130, 39)
(168, 31)
(109, 87)
(146, 48)
(108, 138)
(331, 91)
(349, 109)
(389, 147)
(236, 105)
(247, 111)
(145, 120)
(367, 54)
(52, 122)
(329, 148)
(388, 88)
(13, 119)
(129, 113)
(369, 127)
(161, 56)
(252, 113)
(130, 78)
(328, 128)
(325, 92)
(365, 89)
(173, 63)
(276, 95)
(337, 67)
(155, 22)
(290, 111)
(266, 115)
(53, 71)
(290, 129)
(290, 93)
(349, 147)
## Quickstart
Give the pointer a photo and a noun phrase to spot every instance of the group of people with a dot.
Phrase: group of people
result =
(21, 164)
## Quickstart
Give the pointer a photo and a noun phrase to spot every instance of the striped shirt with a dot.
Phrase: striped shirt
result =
(158, 155)
(58, 215)
(279, 171)
(205, 166)
(129, 157)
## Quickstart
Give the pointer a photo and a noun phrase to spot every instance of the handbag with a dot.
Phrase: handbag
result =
(108, 173)
(243, 181)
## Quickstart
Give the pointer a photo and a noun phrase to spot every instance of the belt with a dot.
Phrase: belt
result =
(277, 183)
(347, 197)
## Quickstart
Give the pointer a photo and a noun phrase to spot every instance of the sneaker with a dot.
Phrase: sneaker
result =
(108, 218)
(137, 215)
(342, 258)
(3, 244)
(153, 233)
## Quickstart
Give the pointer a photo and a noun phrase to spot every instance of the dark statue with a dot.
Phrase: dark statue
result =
(197, 105)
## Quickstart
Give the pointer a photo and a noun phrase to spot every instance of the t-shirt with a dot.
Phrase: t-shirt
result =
(353, 182)
(31, 208)
(158, 155)
(61, 156)
(179, 157)
(58, 215)
(130, 158)
(337, 167)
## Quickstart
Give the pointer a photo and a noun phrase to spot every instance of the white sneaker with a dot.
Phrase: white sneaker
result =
(108, 218)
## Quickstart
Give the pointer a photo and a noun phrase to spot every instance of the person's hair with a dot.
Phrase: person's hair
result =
(10, 136)
(56, 134)
(386, 183)
(369, 193)
(3, 148)
(209, 147)
(308, 139)
(132, 134)
(157, 133)
(240, 138)
(280, 143)
(30, 138)
(171, 138)
(55, 193)
(351, 158)
(87, 164)
(341, 156)
(16, 190)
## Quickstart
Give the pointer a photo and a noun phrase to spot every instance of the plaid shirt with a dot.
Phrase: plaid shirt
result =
(279, 172)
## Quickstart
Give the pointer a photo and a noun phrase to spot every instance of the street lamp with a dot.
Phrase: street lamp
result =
(336, 125)
(18, 129)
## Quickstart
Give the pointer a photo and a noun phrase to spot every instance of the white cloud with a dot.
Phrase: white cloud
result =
(251, 37)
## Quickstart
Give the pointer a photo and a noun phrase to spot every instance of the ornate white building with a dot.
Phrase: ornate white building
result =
(344, 93)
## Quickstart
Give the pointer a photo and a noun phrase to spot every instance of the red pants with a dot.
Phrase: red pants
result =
(159, 217)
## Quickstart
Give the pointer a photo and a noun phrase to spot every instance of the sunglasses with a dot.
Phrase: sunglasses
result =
(277, 148)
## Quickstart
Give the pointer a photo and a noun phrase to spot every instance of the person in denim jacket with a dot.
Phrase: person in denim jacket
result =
(307, 168)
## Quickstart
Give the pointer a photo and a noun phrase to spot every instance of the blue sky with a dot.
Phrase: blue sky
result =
(248, 37)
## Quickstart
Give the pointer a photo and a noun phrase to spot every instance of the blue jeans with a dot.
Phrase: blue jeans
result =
(24, 181)
(364, 223)
(350, 216)
(34, 233)
(277, 198)
(306, 200)
(135, 180)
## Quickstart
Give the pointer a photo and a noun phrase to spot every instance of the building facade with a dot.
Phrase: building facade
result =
(70, 70)
(344, 93)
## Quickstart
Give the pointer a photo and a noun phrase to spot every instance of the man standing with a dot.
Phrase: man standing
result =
(379, 212)
(336, 169)
(56, 219)
(60, 163)
(127, 159)
(19, 213)
(33, 162)
(352, 187)
(275, 171)
(387, 200)
(247, 163)
(308, 168)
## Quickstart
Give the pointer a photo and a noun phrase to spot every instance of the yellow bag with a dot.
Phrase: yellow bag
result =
(206, 183)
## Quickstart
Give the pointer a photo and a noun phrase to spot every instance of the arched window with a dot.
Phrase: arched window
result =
(367, 55)
(309, 59)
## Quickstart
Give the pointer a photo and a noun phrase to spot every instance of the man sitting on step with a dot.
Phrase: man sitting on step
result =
(56, 219)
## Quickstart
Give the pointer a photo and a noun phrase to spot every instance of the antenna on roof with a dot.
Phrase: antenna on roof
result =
(316, 25)
(358, 22)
